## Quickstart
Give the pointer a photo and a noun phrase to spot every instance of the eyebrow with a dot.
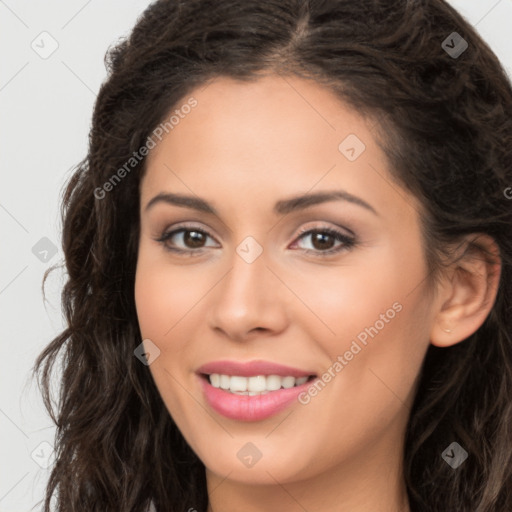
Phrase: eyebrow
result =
(282, 207)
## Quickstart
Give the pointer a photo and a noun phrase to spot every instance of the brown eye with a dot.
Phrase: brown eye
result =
(323, 241)
(193, 239)
(185, 239)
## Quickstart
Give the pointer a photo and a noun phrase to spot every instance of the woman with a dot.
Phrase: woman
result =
(289, 256)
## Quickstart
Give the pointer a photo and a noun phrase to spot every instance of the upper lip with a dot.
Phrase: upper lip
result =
(252, 368)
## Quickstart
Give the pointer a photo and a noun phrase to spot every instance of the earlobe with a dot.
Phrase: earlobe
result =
(468, 297)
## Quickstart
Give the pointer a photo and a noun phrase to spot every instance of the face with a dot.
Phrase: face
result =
(243, 281)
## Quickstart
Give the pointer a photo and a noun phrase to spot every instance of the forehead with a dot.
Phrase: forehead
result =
(272, 112)
(275, 136)
(269, 116)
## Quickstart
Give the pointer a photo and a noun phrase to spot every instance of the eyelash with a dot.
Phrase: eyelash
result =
(348, 242)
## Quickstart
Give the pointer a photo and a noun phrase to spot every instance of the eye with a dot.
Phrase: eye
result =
(323, 238)
(191, 238)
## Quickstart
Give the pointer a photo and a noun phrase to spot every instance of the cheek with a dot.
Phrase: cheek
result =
(152, 303)
(376, 316)
(163, 295)
(345, 300)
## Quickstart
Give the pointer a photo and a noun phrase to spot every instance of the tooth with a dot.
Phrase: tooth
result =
(215, 380)
(225, 381)
(273, 382)
(288, 382)
(238, 383)
(257, 383)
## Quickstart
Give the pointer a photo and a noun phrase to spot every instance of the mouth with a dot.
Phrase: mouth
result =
(251, 391)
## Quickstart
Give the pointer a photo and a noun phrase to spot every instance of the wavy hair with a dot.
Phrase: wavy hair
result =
(445, 124)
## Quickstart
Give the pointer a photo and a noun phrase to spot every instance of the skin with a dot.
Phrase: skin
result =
(243, 148)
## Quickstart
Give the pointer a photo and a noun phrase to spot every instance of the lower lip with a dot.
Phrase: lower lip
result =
(250, 408)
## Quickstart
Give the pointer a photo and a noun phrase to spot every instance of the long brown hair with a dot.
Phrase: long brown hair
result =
(446, 126)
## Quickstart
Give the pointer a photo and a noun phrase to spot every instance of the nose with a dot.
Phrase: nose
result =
(249, 301)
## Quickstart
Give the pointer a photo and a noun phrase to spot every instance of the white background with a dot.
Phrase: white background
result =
(46, 107)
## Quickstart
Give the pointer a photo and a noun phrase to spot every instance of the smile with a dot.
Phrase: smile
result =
(251, 391)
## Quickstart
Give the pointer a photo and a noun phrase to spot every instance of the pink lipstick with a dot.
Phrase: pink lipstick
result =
(251, 391)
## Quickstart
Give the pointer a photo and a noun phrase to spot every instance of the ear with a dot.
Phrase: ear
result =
(467, 295)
